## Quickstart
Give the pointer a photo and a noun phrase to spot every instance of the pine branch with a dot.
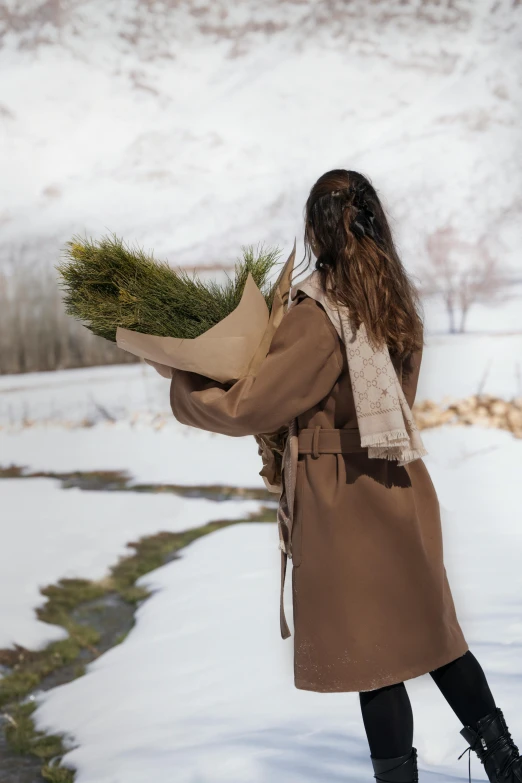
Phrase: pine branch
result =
(107, 283)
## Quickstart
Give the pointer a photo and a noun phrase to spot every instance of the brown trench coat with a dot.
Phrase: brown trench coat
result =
(371, 601)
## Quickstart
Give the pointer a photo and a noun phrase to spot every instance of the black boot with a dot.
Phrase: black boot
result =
(492, 743)
(402, 769)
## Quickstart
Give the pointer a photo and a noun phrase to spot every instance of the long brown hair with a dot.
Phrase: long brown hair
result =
(347, 229)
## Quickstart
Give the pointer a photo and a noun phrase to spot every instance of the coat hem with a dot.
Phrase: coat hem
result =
(408, 674)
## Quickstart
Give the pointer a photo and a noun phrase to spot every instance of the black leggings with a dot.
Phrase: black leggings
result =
(387, 713)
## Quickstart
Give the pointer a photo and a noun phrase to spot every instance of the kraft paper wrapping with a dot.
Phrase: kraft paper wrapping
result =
(222, 353)
(279, 305)
(231, 349)
(271, 445)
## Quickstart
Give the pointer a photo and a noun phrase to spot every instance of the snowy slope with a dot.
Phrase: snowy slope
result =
(216, 680)
(194, 128)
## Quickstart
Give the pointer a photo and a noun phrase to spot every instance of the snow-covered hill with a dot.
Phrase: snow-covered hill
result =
(194, 128)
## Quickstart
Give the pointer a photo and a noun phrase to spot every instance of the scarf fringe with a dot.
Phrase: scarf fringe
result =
(399, 438)
(403, 456)
(410, 455)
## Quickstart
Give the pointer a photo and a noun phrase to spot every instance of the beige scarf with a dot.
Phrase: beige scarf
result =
(384, 417)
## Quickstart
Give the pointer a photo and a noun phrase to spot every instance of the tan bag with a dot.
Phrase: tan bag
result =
(271, 447)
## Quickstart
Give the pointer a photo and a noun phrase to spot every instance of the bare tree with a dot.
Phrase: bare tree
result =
(35, 332)
(441, 275)
(463, 273)
(483, 281)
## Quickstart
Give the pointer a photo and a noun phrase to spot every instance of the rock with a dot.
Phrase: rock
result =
(483, 410)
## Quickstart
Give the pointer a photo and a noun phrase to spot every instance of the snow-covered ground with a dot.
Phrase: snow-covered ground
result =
(202, 689)
(50, 533)
(205, 662)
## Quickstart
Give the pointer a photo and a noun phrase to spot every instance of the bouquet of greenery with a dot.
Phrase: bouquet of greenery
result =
(109, 284)
(173, 320)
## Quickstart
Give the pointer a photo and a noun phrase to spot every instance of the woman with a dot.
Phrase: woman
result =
(371, 601)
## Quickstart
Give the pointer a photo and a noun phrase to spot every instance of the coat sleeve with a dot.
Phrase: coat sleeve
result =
(410, 381)
(300, 369)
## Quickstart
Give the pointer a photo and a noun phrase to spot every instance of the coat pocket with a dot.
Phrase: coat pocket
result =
(297, 527)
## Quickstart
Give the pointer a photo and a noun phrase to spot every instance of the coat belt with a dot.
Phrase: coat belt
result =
(315, 441)
(325, 440)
